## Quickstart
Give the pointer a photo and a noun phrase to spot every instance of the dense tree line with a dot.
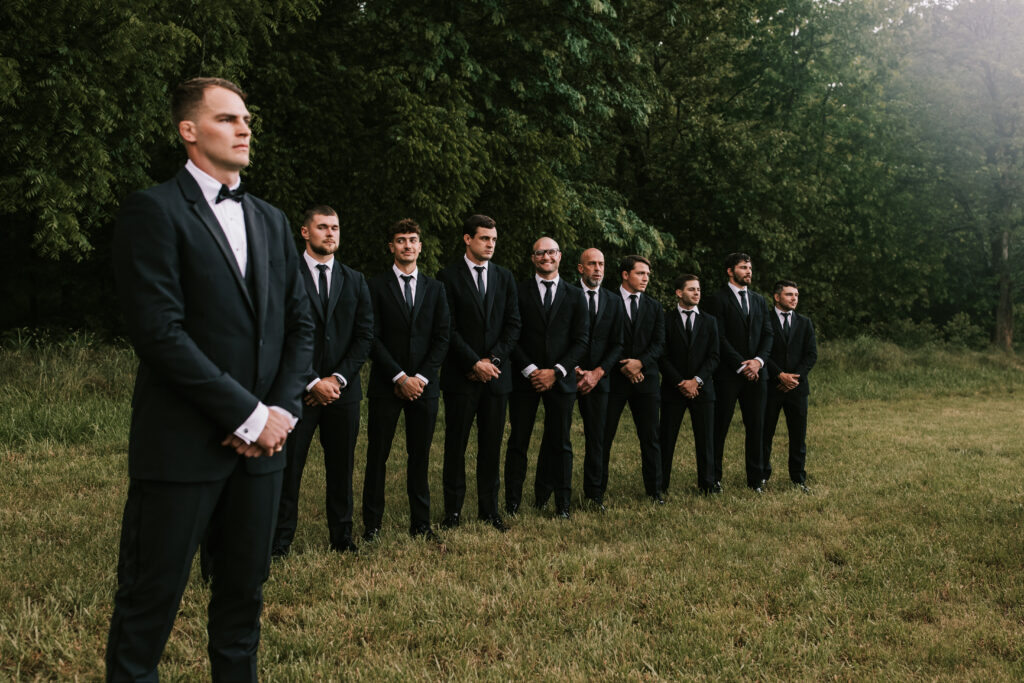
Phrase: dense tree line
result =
(870, 150)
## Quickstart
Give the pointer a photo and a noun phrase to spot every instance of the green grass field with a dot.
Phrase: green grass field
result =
(905, 562)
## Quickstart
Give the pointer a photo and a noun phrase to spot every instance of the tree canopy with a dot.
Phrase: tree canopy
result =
(869, 150)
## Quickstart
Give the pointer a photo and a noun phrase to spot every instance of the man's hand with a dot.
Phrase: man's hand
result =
(586, 380)
(788, 381)
(543, 380)
(270, 441)
(631, 368)
(751, 369)
(409, 389)
(484, 370)
(327, 390)
(688, 388)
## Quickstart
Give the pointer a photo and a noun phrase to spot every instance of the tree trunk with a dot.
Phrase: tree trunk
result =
(1004, 309)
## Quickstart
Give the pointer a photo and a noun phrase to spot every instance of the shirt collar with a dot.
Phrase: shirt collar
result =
(736, 290)
(399, 273)
(625, 293)
(781, 312)
(475, 265)
(681, 310)
(312, 263)
(587, 288)
(209, 185)
(541, 281)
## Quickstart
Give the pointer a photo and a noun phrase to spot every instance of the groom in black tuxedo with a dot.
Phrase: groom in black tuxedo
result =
(209, 284)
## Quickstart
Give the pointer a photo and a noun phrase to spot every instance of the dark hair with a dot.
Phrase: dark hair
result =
(734, 258)
(782, 284)
(186, 97)
(402, 227)
(627, 264)
(321, 210)
(680, 282)
(477, 221)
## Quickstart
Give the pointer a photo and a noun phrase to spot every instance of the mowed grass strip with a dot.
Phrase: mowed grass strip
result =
(904, 562)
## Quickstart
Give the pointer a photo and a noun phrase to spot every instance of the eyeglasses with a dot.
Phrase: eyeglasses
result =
(546, 252)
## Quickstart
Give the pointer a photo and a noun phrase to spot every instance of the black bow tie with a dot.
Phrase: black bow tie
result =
(235, 194)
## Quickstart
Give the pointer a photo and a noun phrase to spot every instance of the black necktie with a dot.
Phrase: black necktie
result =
(480, 280)
(408, 290)
(632, 308)
(547, 294)
(592, 303)
(688, 324)
(322, 286)
(787, 329)
(235, 194)
(743, 303)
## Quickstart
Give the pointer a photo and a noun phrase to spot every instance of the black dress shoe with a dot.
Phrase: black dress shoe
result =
(512, 509)
(371, 534)
(450, 521)
(657, 498)
(802, 486)
(563, 513)
(595, 504)
(344, 545)
(759, 487)
(423, 531)
(497, 523)
(717, 488)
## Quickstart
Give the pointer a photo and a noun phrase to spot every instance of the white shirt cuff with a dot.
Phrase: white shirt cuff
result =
(251, 429)
(529, 369)
(292, 420)
(422, 379)
(312, 384)
(559, 367)
(341, 380)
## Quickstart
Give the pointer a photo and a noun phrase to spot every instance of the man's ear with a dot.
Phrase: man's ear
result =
(187, 130)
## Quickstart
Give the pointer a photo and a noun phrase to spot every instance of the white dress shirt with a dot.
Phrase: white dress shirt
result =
(312, 264)
(625, 294)
(231, 218)
(472, 271)
(693, 325)
(597, 295)
(542, 290)
(401, 288)
(736, 293)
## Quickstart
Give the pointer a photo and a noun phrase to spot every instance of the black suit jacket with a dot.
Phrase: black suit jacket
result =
(643, 339)
(742, 338)
(343, 340)
(211, 344)
(549, 338)
(798, 354)
(684, 359)
(605, 345)
(414, 342)
(480, 327)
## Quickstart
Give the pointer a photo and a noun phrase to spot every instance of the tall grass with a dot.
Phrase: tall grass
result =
(904, 562)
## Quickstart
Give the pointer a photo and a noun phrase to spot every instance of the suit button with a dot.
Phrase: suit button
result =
(327, 339)
(261, 342)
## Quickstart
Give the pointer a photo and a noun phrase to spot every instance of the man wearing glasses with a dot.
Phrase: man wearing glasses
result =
(552, 340)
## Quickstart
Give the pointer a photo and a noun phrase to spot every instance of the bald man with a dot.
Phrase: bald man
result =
(605, 315)
(552, 340)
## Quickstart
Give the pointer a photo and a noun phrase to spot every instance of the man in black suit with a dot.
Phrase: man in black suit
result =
(551, 342)
(411, 321)
(343, 315)
(209, 284)
(604, 348)
(745, 334)
(794, 353)
(687, 367)
(636, 380)
(484, 328)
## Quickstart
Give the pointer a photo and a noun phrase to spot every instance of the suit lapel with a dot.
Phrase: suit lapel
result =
(256, 233)
(314, 297)
(560, 295)
(418, 297)
(337, 282)
(398, 294)
(470, 284)
(603, 301)
(201, 209)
